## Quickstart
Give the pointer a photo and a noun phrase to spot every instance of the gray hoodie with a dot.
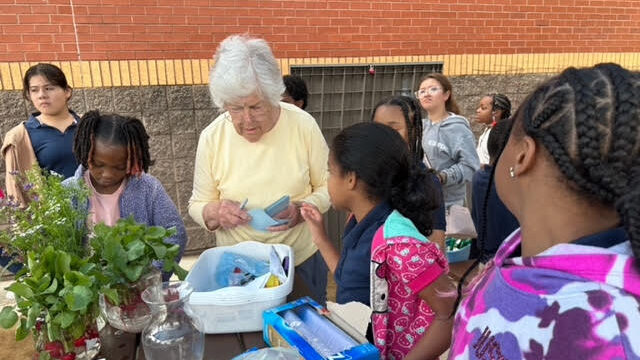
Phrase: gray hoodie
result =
(451, 148)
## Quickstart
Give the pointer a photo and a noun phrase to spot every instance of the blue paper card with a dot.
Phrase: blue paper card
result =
(262, 220)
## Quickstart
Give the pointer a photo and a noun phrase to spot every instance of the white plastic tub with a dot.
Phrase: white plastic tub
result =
(235, 309)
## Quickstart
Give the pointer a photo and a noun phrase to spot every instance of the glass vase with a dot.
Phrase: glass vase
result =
(67, 346)
(174, 332)
(132, 314)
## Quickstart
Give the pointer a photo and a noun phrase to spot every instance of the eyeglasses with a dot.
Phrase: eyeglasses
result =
(423, 92)
(254, 110)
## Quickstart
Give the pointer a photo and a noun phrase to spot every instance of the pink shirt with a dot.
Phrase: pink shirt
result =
(103, 208)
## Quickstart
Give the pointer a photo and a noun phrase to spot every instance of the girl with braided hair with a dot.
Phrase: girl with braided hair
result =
(570, 173)
(113, 152)
(492, 109)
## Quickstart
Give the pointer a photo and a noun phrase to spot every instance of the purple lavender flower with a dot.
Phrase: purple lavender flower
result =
(27, 187)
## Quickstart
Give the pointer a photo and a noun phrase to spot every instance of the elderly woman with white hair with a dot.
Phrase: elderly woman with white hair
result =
(260, 149)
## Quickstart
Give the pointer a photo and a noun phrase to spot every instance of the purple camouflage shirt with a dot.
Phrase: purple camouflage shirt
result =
(569, 302)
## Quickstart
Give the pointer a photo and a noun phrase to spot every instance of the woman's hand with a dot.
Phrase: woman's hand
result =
(292, 214)
(226, 214)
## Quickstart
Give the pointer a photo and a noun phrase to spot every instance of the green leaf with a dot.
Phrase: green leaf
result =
(87, 268)
(180, 272)
(21, 290)
(167, 265)
(24, 305)
(77, 278)
(8, 317)
(135, 250)
(77, 329)
(160, 250)
(52, 288)
(32, 315)
(63, 263)
(53, 330)
(51, 299)
(133, 272)
(173, 251)
(112, 295)
(32, 283)
(44, 283)
(22, 332)
(155, 232)
(114, 253)
(66, 319)
(79, 298)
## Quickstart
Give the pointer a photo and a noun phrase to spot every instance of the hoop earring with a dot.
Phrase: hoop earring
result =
(512, 172)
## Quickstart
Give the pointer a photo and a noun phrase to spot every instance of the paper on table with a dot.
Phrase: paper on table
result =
(354, 313)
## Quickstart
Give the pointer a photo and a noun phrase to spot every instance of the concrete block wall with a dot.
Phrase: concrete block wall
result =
(173, 117)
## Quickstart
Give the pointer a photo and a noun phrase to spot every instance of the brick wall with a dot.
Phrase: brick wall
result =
(43, 30)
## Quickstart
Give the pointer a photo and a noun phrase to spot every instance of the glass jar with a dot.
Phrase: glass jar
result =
(174, 332)
(67, 346)
(132, 314)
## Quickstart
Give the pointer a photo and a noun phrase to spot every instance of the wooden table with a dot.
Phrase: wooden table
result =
(119, 345)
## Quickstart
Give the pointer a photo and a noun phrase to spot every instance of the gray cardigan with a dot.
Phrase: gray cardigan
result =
(144, 197)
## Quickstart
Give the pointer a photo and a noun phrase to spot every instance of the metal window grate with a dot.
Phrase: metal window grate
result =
(340, 96)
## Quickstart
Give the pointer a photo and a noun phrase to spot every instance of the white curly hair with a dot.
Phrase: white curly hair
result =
(244, 65)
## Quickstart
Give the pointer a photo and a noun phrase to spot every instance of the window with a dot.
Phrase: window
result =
(340, 96)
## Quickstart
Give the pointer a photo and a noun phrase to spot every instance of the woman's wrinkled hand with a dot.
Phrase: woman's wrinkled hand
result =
(291, 214)
(231, 214)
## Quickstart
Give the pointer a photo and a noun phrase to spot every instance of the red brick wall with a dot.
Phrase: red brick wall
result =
(33, 30)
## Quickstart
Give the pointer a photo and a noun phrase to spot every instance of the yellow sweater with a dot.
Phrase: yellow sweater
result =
(290, 159)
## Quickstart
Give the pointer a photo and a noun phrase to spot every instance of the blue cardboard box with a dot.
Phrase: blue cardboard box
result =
(315, 332)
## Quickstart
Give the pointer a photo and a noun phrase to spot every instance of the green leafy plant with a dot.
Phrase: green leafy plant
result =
(61, 291)
(57, 289)
(127, 250)
(55, 215)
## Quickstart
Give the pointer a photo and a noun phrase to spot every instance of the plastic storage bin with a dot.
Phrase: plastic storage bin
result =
(235, 309)
(454, 256)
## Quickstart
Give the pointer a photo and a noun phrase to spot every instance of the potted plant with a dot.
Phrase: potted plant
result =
(126, 254)
(57, 289)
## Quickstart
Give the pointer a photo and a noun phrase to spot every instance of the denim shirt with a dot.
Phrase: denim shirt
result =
(352, 273)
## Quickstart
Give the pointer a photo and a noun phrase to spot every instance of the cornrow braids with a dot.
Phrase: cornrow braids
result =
(501, 102)
(113, 129)
(589, 122)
